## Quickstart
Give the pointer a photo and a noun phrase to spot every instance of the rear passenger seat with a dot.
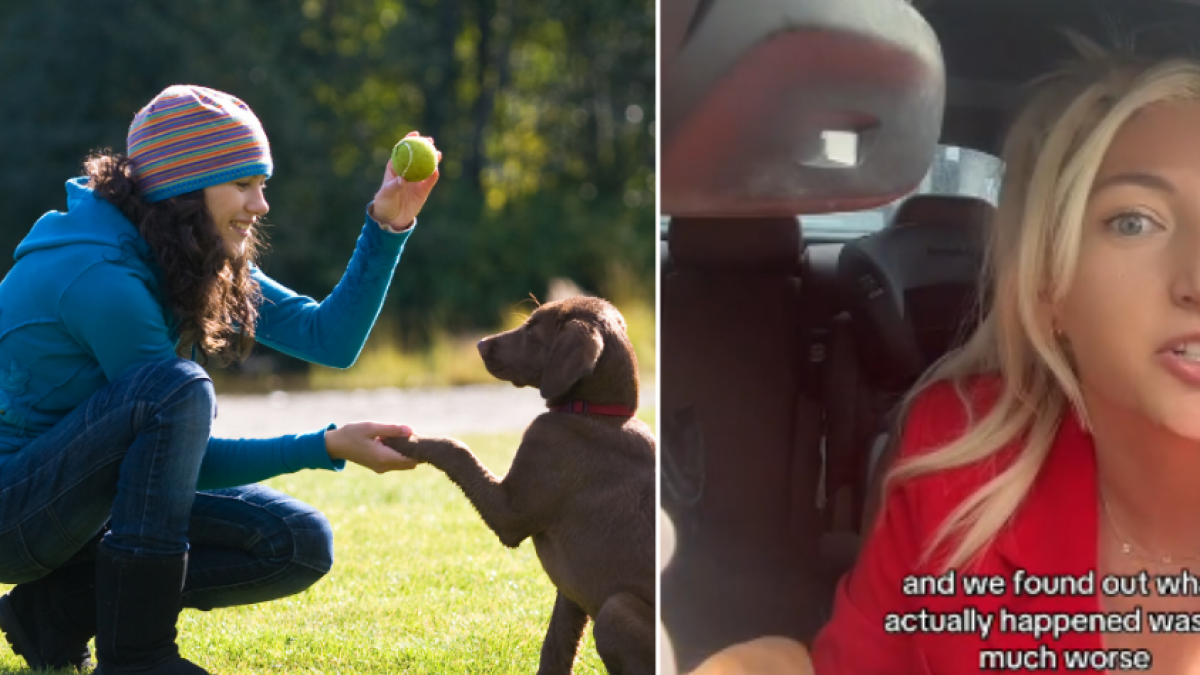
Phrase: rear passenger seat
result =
(912, 294)
(741, 440)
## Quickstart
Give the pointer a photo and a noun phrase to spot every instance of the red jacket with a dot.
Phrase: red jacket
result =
(1054, 532)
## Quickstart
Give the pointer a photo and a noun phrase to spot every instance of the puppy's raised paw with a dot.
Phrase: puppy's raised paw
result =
(411, 447)
(422, 448)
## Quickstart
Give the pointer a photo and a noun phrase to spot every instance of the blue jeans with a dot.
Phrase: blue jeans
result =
(123, 467)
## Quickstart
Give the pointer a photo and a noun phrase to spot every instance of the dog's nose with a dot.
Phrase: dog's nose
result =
(484, 346)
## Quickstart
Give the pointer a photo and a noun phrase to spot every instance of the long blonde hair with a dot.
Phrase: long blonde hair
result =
(1051, 157)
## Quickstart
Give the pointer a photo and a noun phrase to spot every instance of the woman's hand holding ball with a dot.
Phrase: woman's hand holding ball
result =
(399, 200)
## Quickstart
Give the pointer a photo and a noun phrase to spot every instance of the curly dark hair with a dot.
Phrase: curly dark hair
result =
(210, 292)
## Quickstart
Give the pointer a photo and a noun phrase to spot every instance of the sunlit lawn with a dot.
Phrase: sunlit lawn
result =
(419, 585)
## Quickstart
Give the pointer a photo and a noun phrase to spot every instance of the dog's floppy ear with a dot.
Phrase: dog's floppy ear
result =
(573, 356)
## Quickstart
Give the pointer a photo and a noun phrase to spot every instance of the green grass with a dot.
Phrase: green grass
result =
(450, 360)
(419, 585)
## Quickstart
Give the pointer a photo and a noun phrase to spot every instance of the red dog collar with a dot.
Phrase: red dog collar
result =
(594, 409)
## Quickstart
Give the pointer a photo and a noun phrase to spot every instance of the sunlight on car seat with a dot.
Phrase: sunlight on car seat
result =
(840, 149)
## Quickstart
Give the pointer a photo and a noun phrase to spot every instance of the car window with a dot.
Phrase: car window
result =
(955, 171)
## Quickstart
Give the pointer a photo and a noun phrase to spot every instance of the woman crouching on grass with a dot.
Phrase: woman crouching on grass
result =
(116, 507)
(1064, 437)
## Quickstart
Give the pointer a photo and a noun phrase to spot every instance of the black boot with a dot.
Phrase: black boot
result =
(49, 621)
(138, 600)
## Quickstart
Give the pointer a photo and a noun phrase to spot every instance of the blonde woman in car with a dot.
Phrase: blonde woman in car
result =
(1063, 440)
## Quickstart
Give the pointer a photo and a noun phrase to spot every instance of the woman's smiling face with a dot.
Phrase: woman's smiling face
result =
(235, 208)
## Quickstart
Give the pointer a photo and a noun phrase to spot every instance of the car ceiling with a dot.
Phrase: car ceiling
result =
(993, 47)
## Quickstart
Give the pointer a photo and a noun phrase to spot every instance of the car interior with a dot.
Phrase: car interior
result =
(828, 171)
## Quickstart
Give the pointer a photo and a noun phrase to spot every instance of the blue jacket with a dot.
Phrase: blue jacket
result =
(81, 307)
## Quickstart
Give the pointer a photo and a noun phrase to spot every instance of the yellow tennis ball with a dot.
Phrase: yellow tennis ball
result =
(414, 159)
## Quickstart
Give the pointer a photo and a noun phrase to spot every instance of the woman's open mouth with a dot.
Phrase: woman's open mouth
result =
(1182, 359)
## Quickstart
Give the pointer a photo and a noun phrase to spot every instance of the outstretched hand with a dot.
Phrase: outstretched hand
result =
(362, 444)
(763, 656)
(398, 201)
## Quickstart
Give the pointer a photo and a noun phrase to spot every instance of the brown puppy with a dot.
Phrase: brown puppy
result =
(581, 483)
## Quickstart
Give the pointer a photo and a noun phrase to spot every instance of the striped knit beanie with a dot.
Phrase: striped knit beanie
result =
(189, 138)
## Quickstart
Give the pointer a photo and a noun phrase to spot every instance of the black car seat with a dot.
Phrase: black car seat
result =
(741, 439)
(912, 294)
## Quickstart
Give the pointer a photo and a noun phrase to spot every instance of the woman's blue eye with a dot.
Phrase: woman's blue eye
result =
(1131, 224)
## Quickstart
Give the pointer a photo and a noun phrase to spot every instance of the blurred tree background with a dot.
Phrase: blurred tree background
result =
(544, 110)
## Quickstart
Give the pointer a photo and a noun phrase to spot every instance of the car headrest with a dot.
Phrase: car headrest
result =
(953, 210)
(735, 244)
(913, 287)
(782, 107)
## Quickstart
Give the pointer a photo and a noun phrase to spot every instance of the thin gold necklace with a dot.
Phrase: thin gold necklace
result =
(1132, 550)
